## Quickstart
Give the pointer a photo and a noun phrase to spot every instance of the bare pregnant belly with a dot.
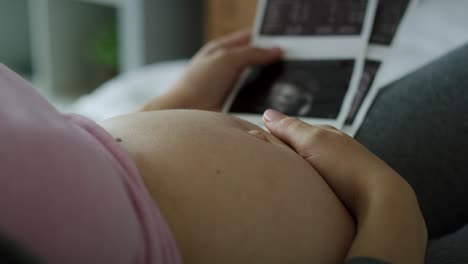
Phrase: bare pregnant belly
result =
(231, 196)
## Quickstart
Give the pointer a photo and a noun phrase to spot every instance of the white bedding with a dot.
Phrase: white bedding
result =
(126, 92)
(431, 30)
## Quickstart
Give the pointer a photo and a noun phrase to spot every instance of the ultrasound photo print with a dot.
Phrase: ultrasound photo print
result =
(314, 17)
(368, 76)
(314, 89)
(387, 20)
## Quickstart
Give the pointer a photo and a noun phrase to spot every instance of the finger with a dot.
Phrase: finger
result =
(236, 39)
(253, 56)
(294, 132)
(329, 127)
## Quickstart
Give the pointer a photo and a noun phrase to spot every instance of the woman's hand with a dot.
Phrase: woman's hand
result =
(390, 223)
(213, 73)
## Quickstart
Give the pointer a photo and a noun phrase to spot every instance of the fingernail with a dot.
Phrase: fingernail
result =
(271, 115)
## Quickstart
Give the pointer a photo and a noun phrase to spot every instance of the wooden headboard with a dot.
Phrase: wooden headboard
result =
(225, 16)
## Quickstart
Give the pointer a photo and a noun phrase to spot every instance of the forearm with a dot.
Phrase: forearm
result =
(169, 100)
(391, 226)
(390, 222)
(181, 96)
(157, 103)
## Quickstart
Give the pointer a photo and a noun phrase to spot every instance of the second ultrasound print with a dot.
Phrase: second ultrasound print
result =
(314, 89)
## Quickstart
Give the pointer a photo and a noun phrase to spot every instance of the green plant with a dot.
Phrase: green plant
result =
(105, 47)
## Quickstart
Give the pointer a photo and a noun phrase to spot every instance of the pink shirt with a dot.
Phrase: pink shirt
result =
(68, 192)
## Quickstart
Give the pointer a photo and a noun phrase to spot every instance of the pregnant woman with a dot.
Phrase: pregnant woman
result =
(196, 186)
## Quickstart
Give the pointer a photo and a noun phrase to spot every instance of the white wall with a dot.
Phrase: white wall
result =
(173, 29)
(14, 35)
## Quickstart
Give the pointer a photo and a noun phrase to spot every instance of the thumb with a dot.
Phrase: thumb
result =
(300, 136)
(253, 56)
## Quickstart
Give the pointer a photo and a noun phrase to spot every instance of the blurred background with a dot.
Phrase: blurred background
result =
(69, 48)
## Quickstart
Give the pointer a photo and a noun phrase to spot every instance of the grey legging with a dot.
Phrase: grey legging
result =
(419, 126)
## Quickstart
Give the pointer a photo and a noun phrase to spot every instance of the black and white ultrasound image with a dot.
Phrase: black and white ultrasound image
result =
(314, 17)
(387, 20)
(314, 89)
(368, 76)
